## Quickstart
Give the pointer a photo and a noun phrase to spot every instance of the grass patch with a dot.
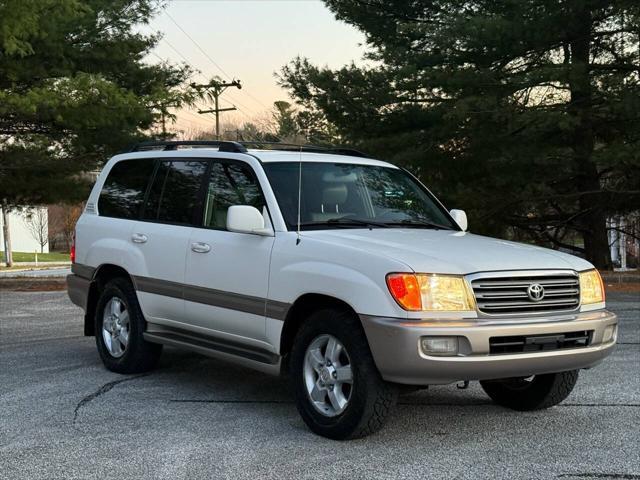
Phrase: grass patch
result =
(42, 257)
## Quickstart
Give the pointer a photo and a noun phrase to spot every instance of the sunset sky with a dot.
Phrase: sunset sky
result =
(250, 40)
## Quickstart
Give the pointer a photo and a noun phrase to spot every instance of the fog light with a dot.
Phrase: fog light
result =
(439, 345)
(609, 333)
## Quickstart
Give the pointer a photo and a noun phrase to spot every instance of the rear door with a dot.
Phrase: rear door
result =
(227, 274)
(162, 237)
(106, 237)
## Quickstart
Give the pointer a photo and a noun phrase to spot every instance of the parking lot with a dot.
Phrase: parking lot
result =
(62, 415)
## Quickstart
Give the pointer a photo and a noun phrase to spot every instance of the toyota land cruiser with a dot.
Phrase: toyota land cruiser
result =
(344, 271)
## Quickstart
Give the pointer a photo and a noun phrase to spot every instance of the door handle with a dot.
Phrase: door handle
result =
(139, 238)
(200, 247)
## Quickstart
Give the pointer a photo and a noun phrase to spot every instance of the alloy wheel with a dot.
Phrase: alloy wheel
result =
(328, 376)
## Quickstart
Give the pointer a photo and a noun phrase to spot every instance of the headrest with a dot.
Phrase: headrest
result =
(331, 177)
(334, 195)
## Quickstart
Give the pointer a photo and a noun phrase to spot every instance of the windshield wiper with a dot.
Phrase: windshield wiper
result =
(347, 222)
(416, 222)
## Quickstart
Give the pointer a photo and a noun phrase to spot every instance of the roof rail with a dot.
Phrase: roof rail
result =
(293, 147)
(241, 147)
(223, 146)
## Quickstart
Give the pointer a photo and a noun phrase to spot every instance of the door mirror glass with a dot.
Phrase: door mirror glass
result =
(246, 219)
(461, 218)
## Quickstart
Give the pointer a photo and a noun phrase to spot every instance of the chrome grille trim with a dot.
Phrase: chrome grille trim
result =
(505, 293)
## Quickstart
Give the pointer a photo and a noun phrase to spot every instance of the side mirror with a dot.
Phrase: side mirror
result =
(461, 218)
(246, 219)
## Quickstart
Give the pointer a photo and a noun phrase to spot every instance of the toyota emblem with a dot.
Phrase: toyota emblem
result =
(535, 292)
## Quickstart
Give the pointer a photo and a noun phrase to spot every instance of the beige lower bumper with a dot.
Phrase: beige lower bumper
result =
(395, 345)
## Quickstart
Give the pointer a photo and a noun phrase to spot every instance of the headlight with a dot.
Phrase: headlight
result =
(591, 287)
(430, 292)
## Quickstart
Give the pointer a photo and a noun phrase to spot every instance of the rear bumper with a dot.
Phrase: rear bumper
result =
(395, 345)
(78, 290)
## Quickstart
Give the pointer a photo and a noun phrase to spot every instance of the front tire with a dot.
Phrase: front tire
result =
(119, 327)
(338, 389)
(534, 393)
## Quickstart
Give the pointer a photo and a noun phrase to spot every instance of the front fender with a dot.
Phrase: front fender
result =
(353, 276)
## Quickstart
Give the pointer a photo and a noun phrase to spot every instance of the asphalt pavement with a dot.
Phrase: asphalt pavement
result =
(62, 415)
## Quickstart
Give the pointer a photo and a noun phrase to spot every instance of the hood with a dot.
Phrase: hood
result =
(445, 251)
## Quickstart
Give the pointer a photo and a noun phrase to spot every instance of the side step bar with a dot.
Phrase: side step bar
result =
(248, 356)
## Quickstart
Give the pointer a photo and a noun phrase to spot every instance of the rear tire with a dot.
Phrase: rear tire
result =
(119, 328)
(537, 393)
(364, 402)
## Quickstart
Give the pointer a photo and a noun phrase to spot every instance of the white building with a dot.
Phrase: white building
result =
(24, 223)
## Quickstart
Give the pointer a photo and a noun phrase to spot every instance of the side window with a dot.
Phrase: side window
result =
(229, 184)
(173, 196)
(123, 192)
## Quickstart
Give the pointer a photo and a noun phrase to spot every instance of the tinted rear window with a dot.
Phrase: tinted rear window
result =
(123, 192)
(173, 197)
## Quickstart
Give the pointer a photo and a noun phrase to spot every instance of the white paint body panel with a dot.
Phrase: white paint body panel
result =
(237, 263)
(446, 251)
(347, 272)
(162, 257)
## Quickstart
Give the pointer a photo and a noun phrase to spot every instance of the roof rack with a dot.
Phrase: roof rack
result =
(309, 148)
(241, 147)
(223, 146)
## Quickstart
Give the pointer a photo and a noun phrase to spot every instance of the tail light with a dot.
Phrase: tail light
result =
(72, 253)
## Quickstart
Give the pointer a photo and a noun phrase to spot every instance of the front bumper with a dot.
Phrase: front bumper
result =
(395, 345)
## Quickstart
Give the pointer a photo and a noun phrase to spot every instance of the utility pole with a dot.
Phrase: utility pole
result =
(214, 89)
(6, 235)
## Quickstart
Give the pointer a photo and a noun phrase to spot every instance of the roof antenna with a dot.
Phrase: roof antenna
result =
(299, 192)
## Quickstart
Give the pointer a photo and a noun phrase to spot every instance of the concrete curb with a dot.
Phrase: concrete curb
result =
(620, 277)
(33, 283)
(27, 267)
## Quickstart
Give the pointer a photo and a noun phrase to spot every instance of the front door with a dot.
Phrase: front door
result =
(227, 273)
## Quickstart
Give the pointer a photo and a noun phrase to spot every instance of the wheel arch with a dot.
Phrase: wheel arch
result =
(102, 275)
(300, 310)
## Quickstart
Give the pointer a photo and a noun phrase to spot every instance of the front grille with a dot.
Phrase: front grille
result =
(539, 343)
(508, 294)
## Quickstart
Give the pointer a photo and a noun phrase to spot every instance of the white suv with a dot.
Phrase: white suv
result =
(343, 271)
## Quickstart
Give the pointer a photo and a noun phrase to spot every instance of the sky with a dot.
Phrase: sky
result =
(250, 40)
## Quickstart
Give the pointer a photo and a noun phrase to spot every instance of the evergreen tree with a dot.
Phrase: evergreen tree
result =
(525, 112)
(73, 90)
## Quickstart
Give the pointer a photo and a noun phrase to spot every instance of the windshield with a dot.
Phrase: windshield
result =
(339, 195)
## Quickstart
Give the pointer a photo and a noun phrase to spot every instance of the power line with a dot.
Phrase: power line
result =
(197, 45)
(183, 110)
(207, 79)
(186, 60)
(158, 56)
(209, 57)
(194, 115)
(199, 72)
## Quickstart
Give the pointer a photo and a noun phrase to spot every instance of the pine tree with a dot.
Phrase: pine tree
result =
(525, 112)
(74, 89)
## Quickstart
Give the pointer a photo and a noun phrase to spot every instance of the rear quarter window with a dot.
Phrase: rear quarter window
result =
(124, 189)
